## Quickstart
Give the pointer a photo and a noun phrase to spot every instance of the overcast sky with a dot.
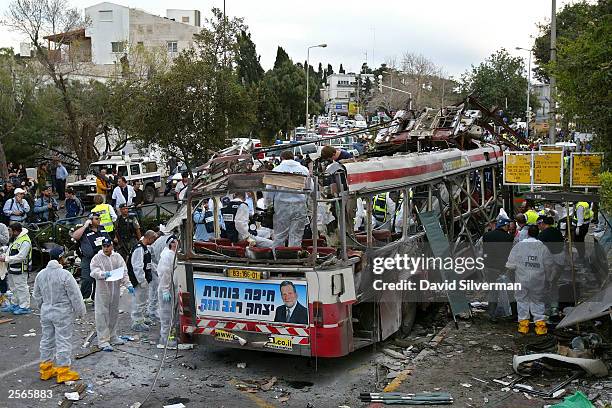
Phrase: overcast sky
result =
(453, 34)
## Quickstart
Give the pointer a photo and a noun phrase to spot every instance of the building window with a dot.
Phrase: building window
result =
(117, 46)
(185, 20)
(172, 46)
(106, 15)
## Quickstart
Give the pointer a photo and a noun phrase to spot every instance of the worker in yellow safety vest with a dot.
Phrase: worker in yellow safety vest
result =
(582, 218)
(531, 214)
(106, 212)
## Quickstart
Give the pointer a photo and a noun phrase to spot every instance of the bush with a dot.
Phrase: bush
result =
(605, 192)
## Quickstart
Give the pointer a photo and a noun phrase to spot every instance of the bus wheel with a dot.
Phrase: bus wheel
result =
(408, 317)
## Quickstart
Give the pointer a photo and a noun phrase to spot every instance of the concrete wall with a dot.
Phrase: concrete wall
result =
(103, 33)
(155, 31)
(191, 17)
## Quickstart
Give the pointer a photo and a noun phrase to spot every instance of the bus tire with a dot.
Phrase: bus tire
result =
(149, 194)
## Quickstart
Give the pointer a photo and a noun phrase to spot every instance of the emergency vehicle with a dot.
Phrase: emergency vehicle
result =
(132, 167)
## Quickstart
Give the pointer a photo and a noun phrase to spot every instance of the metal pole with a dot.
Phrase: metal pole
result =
(307, 66)
(552, 130)
(527, 111)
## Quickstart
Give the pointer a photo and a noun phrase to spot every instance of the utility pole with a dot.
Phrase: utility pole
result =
(552, 123)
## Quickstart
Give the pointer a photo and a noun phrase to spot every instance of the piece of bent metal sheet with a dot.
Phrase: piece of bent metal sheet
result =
(597, 306)
(596, 368)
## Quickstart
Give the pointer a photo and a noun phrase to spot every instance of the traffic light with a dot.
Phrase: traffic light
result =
(380, 86)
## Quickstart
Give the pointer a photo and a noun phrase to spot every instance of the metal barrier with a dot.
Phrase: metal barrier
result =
(149, 216)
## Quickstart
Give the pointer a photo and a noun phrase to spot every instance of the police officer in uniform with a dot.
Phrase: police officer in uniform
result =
(90, 237)
(582, 218)
(383, 208)
(127, 233)
(19, 260)
(204, 222)
(236, 218)
(140, 272)
(106, 212)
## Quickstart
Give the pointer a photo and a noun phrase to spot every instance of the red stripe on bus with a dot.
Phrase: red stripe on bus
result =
(380, 175)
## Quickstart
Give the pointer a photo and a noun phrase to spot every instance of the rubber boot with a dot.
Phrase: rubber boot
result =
(540, 327)
(47, 370)
(523, 326)
(65, 374)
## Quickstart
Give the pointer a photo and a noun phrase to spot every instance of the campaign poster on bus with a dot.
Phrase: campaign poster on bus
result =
(269, 300)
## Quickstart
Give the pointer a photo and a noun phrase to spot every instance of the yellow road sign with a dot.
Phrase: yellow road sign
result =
(548, 168)
(517, 168)
(585, 169)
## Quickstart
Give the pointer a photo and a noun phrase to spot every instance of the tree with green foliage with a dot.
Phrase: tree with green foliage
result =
(584, 78)
(281, 57)
(18, 82)
(200, 101)
(249, 68)
(499, 81)
(572, 20)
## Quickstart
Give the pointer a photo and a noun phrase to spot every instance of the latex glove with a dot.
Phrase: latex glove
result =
(166, 297)
(107, 275)
(131, 290)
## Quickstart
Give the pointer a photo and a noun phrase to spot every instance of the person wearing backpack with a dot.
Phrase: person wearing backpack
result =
(17, 208)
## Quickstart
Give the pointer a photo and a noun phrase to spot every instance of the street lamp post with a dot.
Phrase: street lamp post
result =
(527, 111)
(307, 72)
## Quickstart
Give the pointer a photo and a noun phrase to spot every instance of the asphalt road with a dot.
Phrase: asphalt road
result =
(198, 377)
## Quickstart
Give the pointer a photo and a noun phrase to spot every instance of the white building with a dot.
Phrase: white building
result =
(341, 90)
(542, 92)
(191, 17)
(113, 30)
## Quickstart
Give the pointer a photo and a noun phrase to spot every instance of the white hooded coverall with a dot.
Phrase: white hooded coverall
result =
(107, 295)
(139, 303)
(59, 299)
(530, 259)
(167, 283)
(290, 210)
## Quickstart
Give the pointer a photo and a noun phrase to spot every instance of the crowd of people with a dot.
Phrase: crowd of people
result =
(533, 246)
(113, 253)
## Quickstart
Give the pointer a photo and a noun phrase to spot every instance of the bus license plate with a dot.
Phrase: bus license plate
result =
(280, 343)
(222, 335)
(244, 274)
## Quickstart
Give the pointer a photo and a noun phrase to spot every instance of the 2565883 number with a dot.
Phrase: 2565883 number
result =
(30, 394)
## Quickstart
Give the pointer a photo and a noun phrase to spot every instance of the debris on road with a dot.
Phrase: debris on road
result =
(269, 384)
(241, 365)
(179, 405)
(29, 335)
(72, 396)
(6, 320)
(401, 398)
(185, 346)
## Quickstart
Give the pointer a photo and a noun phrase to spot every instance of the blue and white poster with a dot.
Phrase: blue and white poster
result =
(269, 300)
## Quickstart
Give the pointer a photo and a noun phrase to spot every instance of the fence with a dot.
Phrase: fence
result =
(58, 232)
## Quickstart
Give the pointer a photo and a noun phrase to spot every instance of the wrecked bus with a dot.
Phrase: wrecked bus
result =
(237, 294)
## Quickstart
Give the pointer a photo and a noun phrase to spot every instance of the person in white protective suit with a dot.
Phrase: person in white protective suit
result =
(156, 249)
(290, 209)
(530, 259)
(168, 290)
(140, 271)
(59, 299)
(108, 292)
